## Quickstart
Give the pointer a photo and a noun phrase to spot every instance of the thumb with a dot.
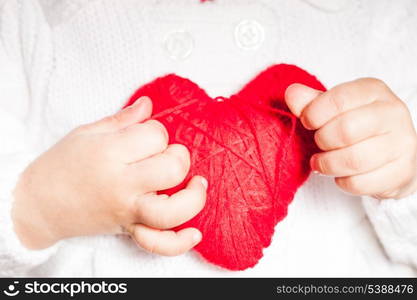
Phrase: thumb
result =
(130, 115)
(299, 96)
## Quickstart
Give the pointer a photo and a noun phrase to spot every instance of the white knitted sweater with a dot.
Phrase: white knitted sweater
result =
(68, 62)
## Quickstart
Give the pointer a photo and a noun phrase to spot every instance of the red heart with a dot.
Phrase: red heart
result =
(253, 152)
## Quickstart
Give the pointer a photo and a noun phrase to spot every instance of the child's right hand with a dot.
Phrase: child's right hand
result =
(103, 178)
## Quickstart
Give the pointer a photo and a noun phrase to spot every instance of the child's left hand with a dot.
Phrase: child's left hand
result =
(366, 133)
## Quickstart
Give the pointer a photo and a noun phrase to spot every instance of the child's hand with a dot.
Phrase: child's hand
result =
(366, 133)
(102, 178)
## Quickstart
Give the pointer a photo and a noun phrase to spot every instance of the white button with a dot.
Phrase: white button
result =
(179, 45)
(249, 34)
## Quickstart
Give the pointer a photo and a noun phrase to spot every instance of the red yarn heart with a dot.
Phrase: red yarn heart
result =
(252, 150)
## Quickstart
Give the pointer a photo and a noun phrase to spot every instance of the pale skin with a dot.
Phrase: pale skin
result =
(103, 177)
(366, 133)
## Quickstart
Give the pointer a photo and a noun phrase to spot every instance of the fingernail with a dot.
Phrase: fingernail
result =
(305, 123)
(318, 173)
(139, 101)
(321, 174)
(313, 164)
(197, 237)
(204, 182)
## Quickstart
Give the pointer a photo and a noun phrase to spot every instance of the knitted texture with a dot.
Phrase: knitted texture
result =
(251, 149)
(77, 61)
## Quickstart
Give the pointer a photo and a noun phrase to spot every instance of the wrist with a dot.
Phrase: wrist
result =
(29, 222)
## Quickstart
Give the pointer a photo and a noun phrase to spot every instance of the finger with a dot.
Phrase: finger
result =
(139, 141)
(298, 96)
(360, 158)
(354, 126)
(165, 242)
(163, 212)
(138, 112)
(340, 99)
(162, 171)
(384, 182)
